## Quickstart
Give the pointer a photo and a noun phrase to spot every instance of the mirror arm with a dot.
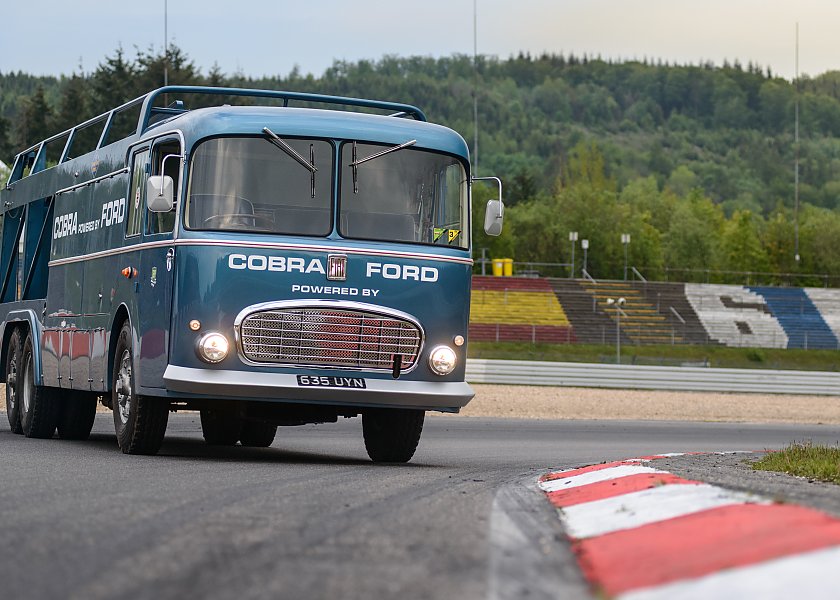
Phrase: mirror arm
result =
(163, 167)
(499, 184)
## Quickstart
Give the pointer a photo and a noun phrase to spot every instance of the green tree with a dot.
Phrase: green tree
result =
(779, 242)
(113, 82)
(33, 124)
(7, 150)
(693, 236)
(740, 244)
(819, 240)
(643, 197)
(74, 104)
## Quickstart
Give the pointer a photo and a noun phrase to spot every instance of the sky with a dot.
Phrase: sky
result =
(271, 37)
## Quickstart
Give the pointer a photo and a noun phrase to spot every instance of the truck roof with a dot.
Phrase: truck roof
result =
(309, 122)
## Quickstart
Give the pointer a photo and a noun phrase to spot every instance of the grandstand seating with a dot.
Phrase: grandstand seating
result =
(827, 302)
(735, 316)
(517, 309)
(670, 301)
(591, 325)
(568, 311)
(803, 323)
(641, 322)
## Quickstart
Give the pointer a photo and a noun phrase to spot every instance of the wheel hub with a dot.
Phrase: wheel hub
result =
(11, 384)
(28, 383)
(123, 387)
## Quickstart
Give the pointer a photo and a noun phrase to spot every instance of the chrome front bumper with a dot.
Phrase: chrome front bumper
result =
(282, 387)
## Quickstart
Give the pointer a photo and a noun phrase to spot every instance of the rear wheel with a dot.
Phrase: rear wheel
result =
(392, 434)
(13, 356)
(39, 405)
(78, 412)
(140, 421)
(257, 434)
(220, 427)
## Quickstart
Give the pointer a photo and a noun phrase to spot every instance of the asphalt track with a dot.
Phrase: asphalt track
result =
(311, 517)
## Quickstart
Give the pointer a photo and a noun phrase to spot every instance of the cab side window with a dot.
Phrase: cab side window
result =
(171, 166)
(137, 198)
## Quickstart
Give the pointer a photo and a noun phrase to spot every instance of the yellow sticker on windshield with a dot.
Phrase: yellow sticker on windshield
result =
(453, 233)
(439, 231)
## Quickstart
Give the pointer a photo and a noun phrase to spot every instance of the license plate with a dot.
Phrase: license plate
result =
(329, 381)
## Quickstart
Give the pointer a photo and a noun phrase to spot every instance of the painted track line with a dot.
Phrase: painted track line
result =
(639, 532)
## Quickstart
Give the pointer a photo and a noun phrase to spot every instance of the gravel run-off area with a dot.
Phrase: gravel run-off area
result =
(540, 402)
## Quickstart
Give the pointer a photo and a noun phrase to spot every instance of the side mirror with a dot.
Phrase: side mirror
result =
(495, 212)
(159, 195)
(494, 215)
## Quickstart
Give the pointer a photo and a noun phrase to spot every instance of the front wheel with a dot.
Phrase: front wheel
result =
(257, 434)
(392, 434)
(140, 421)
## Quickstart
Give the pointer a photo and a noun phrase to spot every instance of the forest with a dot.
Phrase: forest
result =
(695, 162)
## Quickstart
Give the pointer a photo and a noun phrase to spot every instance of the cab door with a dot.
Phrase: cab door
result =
(157, 268)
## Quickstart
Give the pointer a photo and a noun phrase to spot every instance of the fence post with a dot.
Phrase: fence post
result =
(497, 332)
(533, 334)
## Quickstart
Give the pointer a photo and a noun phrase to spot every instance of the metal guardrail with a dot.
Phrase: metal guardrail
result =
(688, 379)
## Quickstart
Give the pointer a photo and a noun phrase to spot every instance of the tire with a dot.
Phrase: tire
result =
(392, 434)
(13, 372)
(78, 412)
(39, 405)
(140, 421)
(257, 434)
(220, 428)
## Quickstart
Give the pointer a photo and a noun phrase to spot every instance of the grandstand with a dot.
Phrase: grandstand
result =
(517, 309)
(576, 311)
(803, 323)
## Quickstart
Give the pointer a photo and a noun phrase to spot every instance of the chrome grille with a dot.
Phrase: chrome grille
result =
(329, 337)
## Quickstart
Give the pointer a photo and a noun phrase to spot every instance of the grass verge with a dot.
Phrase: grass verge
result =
(805, 460)
(676, 355)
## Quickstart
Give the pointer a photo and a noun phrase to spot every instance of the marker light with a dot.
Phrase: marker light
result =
(442, 360)
(213, 347)
(459, 340)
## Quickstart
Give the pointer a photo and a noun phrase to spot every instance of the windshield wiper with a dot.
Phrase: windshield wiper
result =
(355, 164)
(310, 166)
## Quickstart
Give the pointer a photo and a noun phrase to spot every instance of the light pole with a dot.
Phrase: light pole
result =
(585, 245)
(618, 304)
(573, 236)
(625, 239)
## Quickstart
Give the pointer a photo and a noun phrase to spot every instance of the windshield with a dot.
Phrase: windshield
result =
(251, 184)
(407, 195)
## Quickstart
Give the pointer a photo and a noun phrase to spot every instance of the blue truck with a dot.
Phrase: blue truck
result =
(266, 258)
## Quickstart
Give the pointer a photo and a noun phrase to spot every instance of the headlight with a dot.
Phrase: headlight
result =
(442, 360)
(213, 347)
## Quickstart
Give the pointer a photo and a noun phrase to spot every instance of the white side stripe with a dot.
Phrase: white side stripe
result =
(813, 575)
(648, 506)
(594, 477)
